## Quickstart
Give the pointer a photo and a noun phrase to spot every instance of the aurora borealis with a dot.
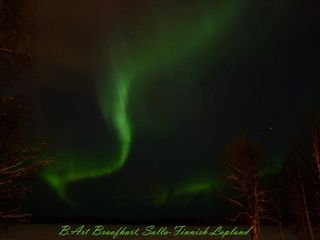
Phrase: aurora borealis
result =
(137, 100)
(162, 45)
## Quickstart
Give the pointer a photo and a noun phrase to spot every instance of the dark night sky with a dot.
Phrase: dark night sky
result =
(138, 100)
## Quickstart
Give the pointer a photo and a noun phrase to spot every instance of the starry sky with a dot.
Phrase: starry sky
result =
(138, 99)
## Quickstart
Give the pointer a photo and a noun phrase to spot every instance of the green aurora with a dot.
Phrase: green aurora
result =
(168, 39)
(202, 185)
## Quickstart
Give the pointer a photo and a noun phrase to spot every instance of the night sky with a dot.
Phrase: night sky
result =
(138, 99)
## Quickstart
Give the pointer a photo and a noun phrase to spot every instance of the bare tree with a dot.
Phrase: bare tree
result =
(316, 168)
(277, 206)
(19, 157)
(316, 149)
(15, 37)
(243, 159)
(298, 197)
(303, 183)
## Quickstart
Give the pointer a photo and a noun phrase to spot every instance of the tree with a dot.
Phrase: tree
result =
(18, 160)
(15, 35)
(303, 181)
(19, 157)
(278, 202)
(316, 167)
(297, 170)
(243, 160)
